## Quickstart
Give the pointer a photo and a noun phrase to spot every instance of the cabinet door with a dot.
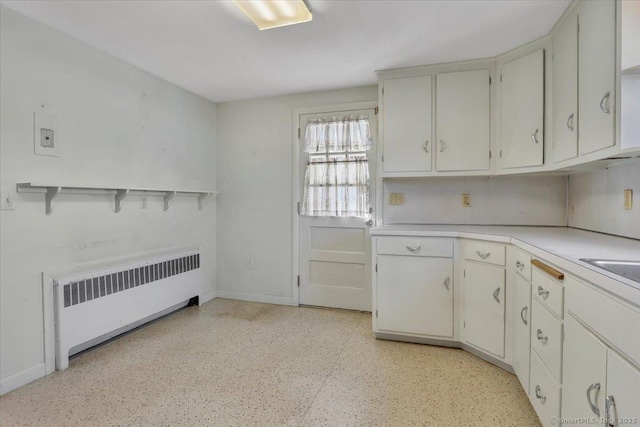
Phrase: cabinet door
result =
(415, 295)
(484, 307)
(584, 373)
(565, 91)
(463, 121)
(522, 330)
(597, 47)
(623, 391)
(407, 124)
(522, 118)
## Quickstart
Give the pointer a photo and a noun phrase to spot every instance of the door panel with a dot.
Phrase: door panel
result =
(597, 47)
(463, 121)
(522, 108)
(565, 91)
(584, 364)
(623, 384)
(335, 253)
(414, 295)
(522, 330)
(484, 313)
(407, 124)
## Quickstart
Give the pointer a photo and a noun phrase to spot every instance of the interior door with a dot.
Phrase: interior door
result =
(463, 121)
(335, 253)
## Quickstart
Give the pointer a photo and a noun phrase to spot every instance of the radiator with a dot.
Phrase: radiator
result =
(95, 303)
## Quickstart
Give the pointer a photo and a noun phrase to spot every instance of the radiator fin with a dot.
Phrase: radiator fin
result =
(101, 286)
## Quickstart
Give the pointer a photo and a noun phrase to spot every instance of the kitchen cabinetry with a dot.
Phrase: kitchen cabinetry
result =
(407, 124)
(565, 90)
(414, 287)
(522, 112)
(597, 75)
(521, 315)
(463, 111)
(484, 299)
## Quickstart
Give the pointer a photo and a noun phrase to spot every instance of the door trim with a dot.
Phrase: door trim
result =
(295, 177)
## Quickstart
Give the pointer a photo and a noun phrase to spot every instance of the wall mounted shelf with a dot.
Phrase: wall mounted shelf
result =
(51, 191)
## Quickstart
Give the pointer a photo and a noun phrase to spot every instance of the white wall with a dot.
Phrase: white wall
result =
(596, 200)
(118, 126)
(255, 179)
(501, 200)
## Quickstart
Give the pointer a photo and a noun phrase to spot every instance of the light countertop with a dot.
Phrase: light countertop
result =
(562, 246)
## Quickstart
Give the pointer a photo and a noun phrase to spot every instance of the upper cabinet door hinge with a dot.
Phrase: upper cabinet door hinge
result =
(376, 313)
(298, 281)
(376, 268)
(376, 110)
(298, 208)
(489, 79)
(383, 90)
(298, 133)
(489, 154)
(464, 273)
(500, 77)
(500, 153)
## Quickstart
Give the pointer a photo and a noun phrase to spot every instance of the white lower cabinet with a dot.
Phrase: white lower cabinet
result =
(544, 393)
(521, 314)
(415, 295)
(622, 403)
(484, 307)
(585, 373)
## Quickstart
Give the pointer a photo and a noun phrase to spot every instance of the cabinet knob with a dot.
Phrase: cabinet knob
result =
(541, 337)
(534, 136)
(519, 265)
(446, 283)
(483, 255)
(544, 294)
(425, 147)
(443, 146)
(604, 103)
(523, 314)
(570, 122)
(539, 395)
(496, 295)
(414, 249)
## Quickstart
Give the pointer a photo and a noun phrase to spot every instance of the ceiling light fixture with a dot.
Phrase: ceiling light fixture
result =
(268, 14)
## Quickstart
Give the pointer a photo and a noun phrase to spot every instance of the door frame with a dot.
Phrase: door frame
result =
(295, 179)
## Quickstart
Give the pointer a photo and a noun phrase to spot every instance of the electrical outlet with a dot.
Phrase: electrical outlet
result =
(628, 199)
(7, 201)
(143, 202)
(396, 198)
(466, 200)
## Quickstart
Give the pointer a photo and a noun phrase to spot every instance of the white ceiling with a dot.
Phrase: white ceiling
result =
(213, 50)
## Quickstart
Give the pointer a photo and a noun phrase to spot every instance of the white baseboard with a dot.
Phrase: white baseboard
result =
(206, 297)
(269, 299)
(21, 378)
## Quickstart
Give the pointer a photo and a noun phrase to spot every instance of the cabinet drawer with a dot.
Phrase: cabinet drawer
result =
(522, 264)
(546, 338)
(549, 292)
(415, 246)
(544, 392)
(489, 253)
(614, 321)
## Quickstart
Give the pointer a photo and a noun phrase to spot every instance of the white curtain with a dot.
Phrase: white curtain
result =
(337, 176)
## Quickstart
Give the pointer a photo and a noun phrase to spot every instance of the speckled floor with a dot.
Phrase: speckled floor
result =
(239, 363)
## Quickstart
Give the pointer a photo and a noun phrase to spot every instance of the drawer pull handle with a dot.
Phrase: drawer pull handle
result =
(570, 122)
(446, 283)
(539, 395)
(414, 249)
(524, 310)
(604, 103)
(594, 408)
(425, 147)
(549, 270)
(443, 146)
(544, 294)
(534, 136)
(609, 402)
(484, 255)
(496, 293)
(519, 265)
(541, 337)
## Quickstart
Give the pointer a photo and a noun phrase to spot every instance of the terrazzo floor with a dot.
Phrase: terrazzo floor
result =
(231, 363)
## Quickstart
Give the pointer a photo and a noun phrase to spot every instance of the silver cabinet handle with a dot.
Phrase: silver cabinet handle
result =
(519, 265)
(522, 314)
(544, 294)
(496, 293)
(539, 395)
(483, 255)
(541, 337)
(609, 402)
(443, 146)
(594, 408)
(415, 249)
(570, 122)
(369, 222)
(425, 147)
(534, 137)
(604, 103)
(446, 283)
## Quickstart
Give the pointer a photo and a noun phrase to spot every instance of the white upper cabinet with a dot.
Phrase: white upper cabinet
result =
(463, 112)
(522, 107)
(565, 91)
(407, 124)
(597, 75)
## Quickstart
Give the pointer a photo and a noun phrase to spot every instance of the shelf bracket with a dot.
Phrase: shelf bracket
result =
(202, 197)
(120, 195)
(167, 198)
(50, 195)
